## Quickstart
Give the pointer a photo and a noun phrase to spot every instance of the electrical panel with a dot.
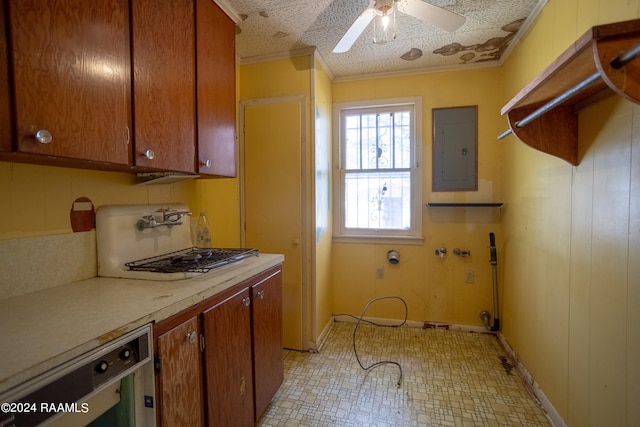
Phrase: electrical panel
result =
(455, 149)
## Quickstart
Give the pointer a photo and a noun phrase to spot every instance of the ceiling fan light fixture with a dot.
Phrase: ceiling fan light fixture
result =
(386, 32)
(384, 24)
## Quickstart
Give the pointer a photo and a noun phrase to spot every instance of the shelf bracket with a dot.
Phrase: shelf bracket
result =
(601, 63)
(549, 132)
(617, 66)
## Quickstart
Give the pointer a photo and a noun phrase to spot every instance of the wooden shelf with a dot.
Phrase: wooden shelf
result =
(464, 205)
(556, 131)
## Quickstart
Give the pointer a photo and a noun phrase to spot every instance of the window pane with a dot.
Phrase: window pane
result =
(353, 138)
(402, 140)
(383, 150)
(369, 137)
(378, 140)
(379, 201)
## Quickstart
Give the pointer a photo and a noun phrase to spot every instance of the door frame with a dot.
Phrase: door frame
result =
(306, 296)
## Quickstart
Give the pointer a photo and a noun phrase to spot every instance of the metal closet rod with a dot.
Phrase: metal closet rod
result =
(617, 63)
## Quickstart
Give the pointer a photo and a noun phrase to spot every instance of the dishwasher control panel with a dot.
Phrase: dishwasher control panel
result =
(119, 360)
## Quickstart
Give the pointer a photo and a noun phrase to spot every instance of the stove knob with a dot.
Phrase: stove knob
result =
(125, 354)
(102, 367)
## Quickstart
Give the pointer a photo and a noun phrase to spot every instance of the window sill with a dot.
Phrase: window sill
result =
(395, 240)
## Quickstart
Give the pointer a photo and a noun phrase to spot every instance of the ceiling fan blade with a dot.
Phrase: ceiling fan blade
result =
(432, 14)
(356, 29)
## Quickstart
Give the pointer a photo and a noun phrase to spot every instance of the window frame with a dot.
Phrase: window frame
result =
(362, 235)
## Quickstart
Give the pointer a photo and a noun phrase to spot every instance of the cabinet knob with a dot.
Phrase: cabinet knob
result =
(149, 154)
(260, 294)
(44, 136)
(246, 301)
(192, 337)
(206, 163)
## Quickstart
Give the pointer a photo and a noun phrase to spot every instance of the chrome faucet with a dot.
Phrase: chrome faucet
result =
(170, 217)
(461, 253)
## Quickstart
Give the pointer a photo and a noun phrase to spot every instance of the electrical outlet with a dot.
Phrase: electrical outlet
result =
(469, 277)
(380, 273)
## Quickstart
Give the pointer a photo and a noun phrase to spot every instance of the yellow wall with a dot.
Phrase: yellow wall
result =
(287, 82)
(294, 77)
(572, 239)
(434, 288)
(220, 199)
(568, 237)
(36, 200)
(322, 189)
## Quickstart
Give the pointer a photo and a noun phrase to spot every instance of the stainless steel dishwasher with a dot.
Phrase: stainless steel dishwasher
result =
(112, 385)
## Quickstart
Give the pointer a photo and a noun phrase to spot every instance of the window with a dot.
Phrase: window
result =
(378, 179)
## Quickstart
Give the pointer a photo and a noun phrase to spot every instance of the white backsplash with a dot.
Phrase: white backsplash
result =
(34, 263)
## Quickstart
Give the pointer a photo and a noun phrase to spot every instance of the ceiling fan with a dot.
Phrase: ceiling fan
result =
(426, 12)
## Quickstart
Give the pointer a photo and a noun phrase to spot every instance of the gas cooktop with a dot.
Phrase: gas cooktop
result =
(159, 238)
(193, 260)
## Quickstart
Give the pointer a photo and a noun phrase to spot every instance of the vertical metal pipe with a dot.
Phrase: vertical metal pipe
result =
(494, 277)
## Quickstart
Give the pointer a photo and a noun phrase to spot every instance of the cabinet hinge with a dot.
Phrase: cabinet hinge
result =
(201, 342)
(128, 135)
(157, 364)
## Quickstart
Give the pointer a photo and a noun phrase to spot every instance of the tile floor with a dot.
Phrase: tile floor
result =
(450, 378)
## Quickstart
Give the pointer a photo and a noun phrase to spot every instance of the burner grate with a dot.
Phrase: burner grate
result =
(192, 260)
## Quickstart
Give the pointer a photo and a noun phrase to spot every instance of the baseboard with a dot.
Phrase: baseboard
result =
(317, 346)
(412, 323)
(552, 414)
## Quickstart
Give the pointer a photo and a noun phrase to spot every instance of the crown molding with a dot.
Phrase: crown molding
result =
(275, 56)
(229, 10)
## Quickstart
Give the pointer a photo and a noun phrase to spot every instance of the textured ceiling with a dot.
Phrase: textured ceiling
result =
(268, 28)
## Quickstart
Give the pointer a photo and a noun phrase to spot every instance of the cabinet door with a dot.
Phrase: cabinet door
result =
(228, 370)
(268, 366)
(71, 77)
(216, 90)
(180, 376)
(164, 84)
(5, 105)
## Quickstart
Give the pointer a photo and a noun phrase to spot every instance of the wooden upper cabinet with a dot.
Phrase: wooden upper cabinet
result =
(5, 104)
(215, 43)
(71, 78)
(164, 84)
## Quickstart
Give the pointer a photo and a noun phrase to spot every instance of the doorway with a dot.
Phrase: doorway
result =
(272, 151)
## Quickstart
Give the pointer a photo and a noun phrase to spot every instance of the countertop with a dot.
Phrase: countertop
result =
(41, 330)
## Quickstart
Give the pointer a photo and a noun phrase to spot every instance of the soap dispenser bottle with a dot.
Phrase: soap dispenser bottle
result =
(203, 232)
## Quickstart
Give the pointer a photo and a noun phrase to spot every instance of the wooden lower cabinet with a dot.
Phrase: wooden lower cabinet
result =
(228, 362)
(180, 376)
(268, 365)
(220, 362)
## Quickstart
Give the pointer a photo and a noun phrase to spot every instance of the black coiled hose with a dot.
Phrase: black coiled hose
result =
(360, 320)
